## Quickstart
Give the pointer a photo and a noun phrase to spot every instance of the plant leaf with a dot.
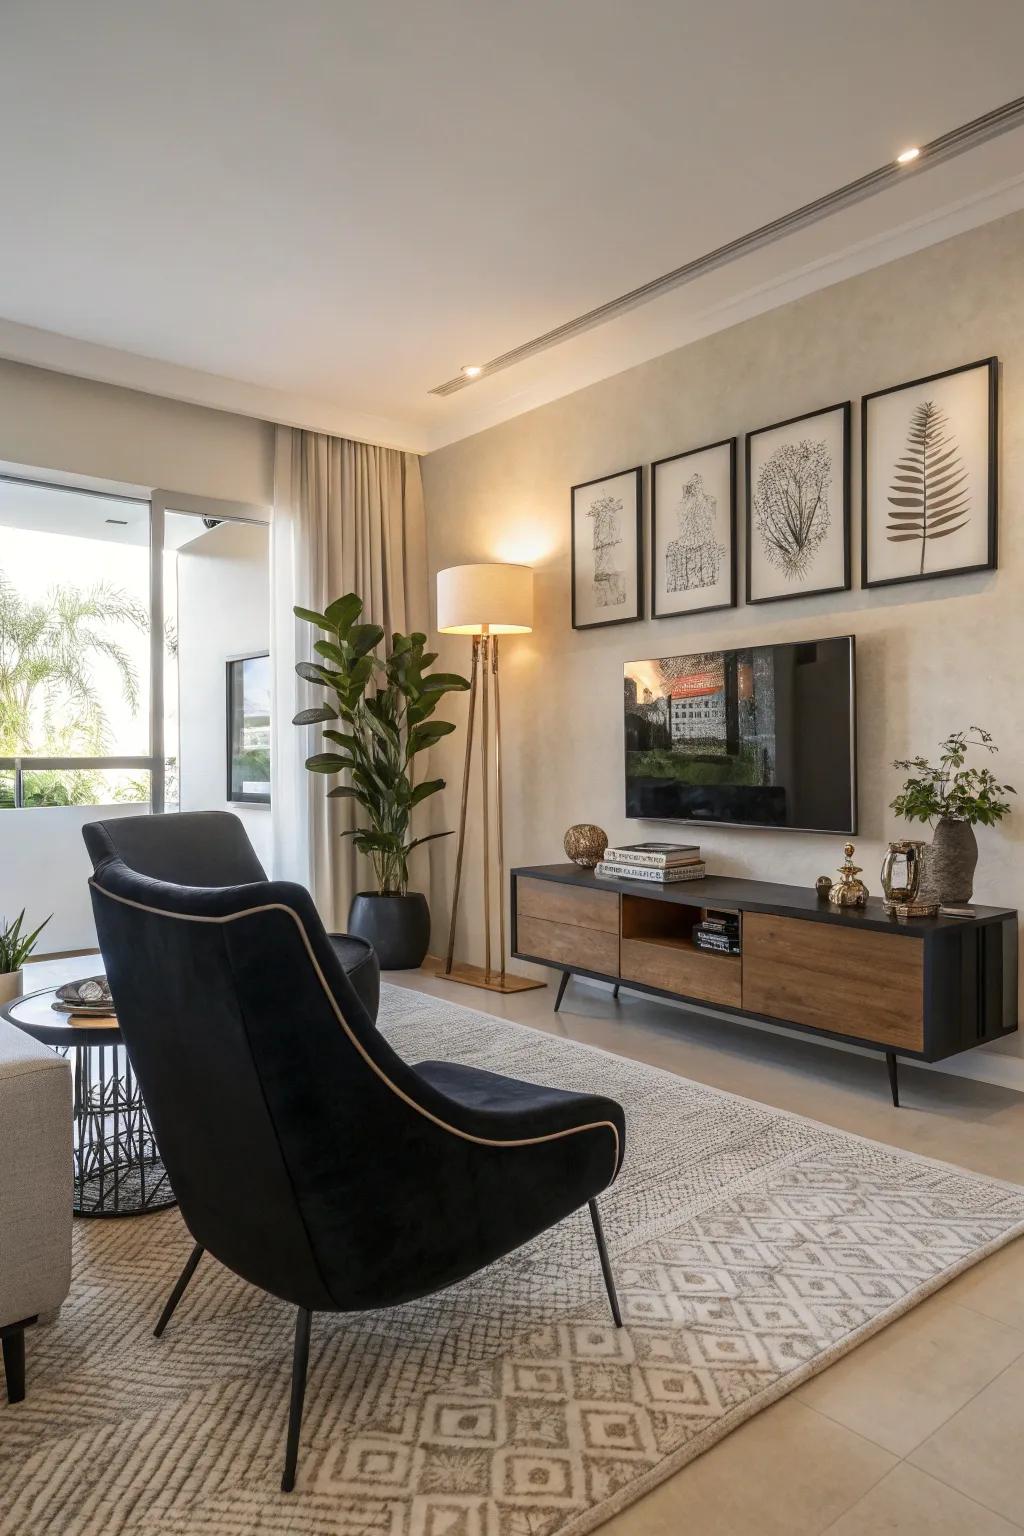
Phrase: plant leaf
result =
(315, 716)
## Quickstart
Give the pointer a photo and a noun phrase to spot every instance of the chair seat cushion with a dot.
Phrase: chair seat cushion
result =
(528, 1109)
(358, 960)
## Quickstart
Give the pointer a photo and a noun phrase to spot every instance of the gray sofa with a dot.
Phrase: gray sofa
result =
(35, 1192)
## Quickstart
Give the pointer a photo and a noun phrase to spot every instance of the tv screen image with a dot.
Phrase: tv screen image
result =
(764, 736)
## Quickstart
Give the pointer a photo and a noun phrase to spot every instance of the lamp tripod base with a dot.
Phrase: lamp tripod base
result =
(478, 976)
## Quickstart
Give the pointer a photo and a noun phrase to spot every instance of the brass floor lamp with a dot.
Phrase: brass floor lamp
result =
(484, 601)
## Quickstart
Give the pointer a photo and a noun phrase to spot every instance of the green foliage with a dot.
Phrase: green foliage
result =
(15, 944)
(46, 651)
(951, 789)
(385, 708)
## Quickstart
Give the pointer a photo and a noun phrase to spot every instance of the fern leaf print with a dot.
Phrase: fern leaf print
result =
(929, 496)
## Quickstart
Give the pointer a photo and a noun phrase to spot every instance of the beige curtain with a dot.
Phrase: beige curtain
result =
(348, 517)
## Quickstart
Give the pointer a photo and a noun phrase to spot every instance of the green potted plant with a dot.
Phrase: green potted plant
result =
(15, 948)
(381, 716)
(953, 799)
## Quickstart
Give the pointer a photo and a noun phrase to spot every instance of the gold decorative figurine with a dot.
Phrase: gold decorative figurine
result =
(848, 891)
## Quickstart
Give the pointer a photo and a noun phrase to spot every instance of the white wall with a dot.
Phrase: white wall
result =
(52, 421)
(223, 611)
(931, 656)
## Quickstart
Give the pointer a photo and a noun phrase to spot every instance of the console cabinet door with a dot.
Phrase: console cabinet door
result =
(850, 981)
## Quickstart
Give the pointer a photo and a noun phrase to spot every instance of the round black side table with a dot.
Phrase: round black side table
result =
(118, 1171)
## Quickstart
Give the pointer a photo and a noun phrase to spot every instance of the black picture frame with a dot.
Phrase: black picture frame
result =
(234, 671)
(630, 618)
(846, 407)
(991, 562)
(732, 444)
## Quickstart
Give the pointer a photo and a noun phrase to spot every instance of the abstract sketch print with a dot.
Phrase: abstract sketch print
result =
(792, 507)
(928, 495)
(694, 559)
(609, 582)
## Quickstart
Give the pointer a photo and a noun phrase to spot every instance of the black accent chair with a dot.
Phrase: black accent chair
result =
(305, 1154)
(212, 848)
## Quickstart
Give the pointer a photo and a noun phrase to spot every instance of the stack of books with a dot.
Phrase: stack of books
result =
(662, 863)
(719, 932)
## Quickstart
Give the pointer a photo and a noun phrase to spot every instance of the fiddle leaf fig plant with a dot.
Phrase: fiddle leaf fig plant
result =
(950, 789)
(379, 718)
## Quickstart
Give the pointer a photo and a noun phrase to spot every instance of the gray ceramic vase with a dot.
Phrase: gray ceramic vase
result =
(950, 862)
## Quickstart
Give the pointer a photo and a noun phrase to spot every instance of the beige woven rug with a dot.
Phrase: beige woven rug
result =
(751, 1247)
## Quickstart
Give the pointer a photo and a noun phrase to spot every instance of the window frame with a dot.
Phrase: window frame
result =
(160, 502)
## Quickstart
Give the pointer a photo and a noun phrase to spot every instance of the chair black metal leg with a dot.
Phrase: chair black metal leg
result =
(615, 990)
(300, 1361)
(13, 1342)
(561, 989)
(894, 1082)
(606, 1268)
(179, 1289)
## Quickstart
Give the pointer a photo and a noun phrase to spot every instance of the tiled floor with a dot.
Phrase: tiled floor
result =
(921, 1429)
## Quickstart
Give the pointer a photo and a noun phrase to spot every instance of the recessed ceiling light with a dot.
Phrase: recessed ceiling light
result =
(472, 370)
(906, 155)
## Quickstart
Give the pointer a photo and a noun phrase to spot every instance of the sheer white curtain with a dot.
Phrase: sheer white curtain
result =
(348, 517)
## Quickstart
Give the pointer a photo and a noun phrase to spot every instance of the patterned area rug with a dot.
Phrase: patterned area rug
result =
(751, 1248)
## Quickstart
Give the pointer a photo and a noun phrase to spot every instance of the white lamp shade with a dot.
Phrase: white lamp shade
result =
(485, 600)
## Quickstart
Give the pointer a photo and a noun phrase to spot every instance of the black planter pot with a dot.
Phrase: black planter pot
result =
(398, 927)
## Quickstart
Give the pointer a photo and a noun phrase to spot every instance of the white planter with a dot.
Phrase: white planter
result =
(10, 986)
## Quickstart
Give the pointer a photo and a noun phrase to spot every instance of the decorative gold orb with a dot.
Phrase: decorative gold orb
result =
(585, 844)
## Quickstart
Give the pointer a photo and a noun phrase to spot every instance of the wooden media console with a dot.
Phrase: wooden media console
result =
(924, 988)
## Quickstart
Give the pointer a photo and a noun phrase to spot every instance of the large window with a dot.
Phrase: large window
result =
(90, 643)
(75, 665)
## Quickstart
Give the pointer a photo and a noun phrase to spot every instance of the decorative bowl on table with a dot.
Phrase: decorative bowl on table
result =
(88, 997)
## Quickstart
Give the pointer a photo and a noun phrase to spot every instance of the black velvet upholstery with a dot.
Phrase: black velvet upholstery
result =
(305, 1154)
(211, 848)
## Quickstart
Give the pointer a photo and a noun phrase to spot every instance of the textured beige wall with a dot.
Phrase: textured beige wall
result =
(54, 421)
(930, 657)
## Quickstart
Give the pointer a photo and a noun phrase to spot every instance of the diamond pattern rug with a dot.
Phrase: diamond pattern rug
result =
(751, 1247)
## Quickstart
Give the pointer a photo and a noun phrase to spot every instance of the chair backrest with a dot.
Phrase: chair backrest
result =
(289, 1128)
(184, 848)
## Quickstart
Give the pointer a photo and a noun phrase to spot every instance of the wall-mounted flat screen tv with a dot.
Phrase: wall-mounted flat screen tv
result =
(760, 737)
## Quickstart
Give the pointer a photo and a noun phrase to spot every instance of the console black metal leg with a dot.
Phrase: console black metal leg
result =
(894, 1082)
(300, 1361)
(13, 1341)
(179, 1289)
(606, 1268)
(561, 989)
(615, 990)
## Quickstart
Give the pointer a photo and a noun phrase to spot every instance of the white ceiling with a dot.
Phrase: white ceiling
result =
(315, 211)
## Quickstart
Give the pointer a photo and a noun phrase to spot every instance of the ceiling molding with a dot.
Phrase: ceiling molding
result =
(678, 330)
(128, 370)
(563, 375)
(938, 151)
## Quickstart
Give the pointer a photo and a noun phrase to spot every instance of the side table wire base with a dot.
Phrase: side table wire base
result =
(118, 1171)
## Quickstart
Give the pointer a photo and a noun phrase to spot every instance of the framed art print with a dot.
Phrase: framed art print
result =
(607, 537)
(798, 506)
(693, 531)
(928, 459)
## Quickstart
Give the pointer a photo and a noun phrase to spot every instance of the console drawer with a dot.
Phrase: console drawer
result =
(683, 969)
(557, 903)
(585, 948)
(855, 982)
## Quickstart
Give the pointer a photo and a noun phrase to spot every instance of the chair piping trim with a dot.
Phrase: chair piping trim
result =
(278, 906)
